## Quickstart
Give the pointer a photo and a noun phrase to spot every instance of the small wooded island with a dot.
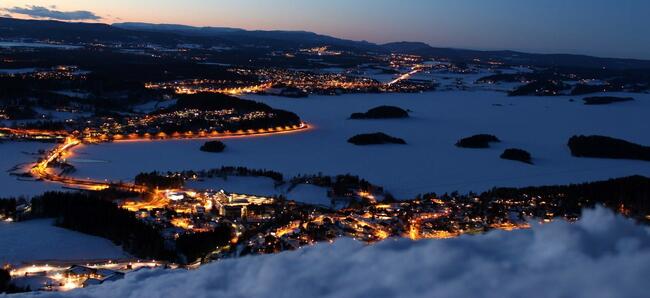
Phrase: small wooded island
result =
(382, 112)
(213, 146)
(606, 147)
(477, 141)
(377, 138)
(517, 155)
(605, 100)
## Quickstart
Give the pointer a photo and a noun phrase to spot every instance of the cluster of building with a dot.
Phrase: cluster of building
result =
(175, 124)
(288, 82)
(321, 51)
(292, 83)
(268, 225)
(210, 86)
(65, 276)
(397, 61)
(176, 212)
(186, 123)
(428, 218)
(32, 134)
(61, 72)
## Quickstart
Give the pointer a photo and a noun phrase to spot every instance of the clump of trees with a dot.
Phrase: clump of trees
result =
(158, 180)
(198, 245)
(540, 88)
(217, 101)
(477, 141)
(213, 146)
(607, 147)
(8, 208)
(605, 100)
(377, 138)
(41, 125)
(5, 280)
(225, 171)
(517, 155)
(382, 112)
(581, 89)
(6, 286)
(95, 214)
(344, 184)
(18, 112)
(631, 193)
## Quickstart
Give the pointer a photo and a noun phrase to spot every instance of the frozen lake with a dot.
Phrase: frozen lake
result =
(18, 44)
(429, 163)
(21, 154)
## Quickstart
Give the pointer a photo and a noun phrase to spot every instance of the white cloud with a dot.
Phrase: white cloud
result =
(601, 256)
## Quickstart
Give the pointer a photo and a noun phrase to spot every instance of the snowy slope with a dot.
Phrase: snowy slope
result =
(39, 240)
(601, 256)
(430, 162)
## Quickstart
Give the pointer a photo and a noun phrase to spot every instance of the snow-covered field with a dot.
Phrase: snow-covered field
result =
(13, 154)
(39, 240)
(430, 162)
(600, 256)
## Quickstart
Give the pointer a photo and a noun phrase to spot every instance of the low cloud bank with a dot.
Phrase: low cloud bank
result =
(602, 255)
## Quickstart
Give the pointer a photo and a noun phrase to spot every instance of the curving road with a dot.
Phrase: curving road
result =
(42, 170)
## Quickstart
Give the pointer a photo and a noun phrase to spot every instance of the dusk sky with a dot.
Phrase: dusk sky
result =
(596, 27)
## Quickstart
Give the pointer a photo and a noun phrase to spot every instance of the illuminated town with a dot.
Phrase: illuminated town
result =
(162, 160)
(291, 83)
(262, 225)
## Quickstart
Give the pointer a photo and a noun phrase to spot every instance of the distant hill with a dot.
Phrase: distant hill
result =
(184, 29)
(85, 32)
(301, 38)
(513, 57)
(172, 35)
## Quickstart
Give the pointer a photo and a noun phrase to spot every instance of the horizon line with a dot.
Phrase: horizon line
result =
(523, 51)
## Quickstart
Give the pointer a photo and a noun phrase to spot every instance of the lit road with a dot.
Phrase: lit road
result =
(42, 170)
(414, 70)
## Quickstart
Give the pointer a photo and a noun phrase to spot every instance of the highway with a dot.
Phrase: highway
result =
(414, 70)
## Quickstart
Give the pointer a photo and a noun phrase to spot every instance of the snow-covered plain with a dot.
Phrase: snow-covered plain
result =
(430, 162)
(600, 256)
(14, 154)
(39, 240)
